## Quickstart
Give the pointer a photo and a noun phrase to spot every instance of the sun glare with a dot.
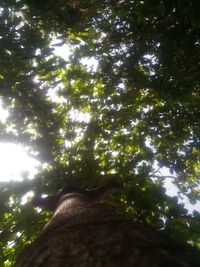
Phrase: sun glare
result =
(63, 51)
(14, 162)
(3, 113)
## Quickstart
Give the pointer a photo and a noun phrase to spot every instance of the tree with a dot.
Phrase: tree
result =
(82, 233)
(142, 102)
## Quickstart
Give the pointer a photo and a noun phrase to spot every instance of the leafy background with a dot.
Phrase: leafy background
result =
(133, 113)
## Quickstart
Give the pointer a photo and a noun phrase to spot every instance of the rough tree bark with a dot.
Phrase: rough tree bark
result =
(82, 233)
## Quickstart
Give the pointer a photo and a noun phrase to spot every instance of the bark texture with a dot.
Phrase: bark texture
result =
(82, 233)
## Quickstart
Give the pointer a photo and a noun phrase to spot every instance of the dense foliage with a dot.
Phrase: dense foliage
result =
(134, 113)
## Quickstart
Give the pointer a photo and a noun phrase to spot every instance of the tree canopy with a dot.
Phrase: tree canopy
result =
(132, 114)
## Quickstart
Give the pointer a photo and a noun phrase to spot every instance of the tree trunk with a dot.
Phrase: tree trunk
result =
(82, 233)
